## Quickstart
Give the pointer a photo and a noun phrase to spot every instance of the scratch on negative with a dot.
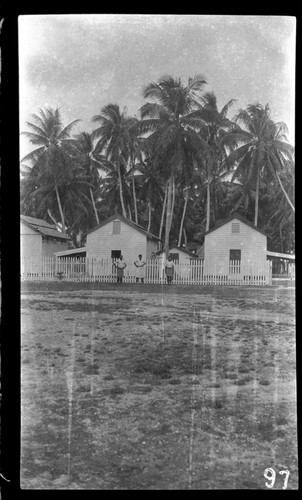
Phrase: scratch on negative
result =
(193, 400)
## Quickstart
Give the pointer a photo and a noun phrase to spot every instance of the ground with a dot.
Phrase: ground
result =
(157, 387)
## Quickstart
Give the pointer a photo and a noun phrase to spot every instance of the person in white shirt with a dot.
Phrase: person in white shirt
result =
(169, 269)
(120, 265)
(140, 271)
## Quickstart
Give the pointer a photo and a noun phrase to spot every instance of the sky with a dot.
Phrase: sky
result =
(81, 63)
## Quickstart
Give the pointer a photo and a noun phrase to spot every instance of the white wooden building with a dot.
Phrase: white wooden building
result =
(40, 239)
(179, 255)
(235, 239)
(117, 236)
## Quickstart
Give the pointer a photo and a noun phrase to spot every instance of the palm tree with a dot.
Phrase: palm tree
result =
(173, 129)
(280, 216)
(262, 145)
(150, 186)
(110, 186)
(39, 199)
(188, 179)
(216, 130)
(113, 138)
(51, 158)
(91, 161)
(134, 155)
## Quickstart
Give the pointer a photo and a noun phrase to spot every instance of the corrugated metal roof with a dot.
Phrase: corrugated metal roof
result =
(44, 227)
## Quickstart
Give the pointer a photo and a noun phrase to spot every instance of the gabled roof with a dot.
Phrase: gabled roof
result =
(43, 227)
(180, 249)
(281, 255)
(71, 251)
(222, 222)
(126, 221)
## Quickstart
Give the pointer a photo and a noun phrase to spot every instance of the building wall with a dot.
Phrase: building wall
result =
(184, 258)
(152, 248)
(252, 243)
(130, 241)
(31, 242)
(49, 247)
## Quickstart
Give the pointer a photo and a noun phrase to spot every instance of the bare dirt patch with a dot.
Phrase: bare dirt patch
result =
(145, 387)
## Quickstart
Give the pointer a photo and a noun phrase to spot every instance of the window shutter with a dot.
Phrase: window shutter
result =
(116, 228)
(235, 227)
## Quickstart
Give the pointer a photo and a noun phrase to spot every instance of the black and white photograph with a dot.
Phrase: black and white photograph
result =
(157, 257)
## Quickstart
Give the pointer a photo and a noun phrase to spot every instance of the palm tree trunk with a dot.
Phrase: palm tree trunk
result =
(208, 196)
(168, 216)
(53, 219)
(94, 207)
(257, 197)
(185, 237)
(121, 189)
(134, 197)
(129, 211)
(183, 217)
(149, 215)
(208, 205)
(163, 214)
(172, 202)
(281, 239)
(60, 209)
(285, 193)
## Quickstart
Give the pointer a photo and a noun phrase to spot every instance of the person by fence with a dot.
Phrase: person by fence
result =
(139, 271)
(197, 272)
(120, 265)
(169, 270)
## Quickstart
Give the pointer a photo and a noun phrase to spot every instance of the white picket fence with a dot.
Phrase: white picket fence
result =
(196, 272)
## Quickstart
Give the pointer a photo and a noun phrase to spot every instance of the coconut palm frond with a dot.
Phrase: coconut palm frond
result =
(237, 155)
(64, 134)
(33, 155)
(154, 110)
(285, 148)
(226, 108)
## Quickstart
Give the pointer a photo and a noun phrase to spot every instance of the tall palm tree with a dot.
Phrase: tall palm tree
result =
(280, 216)
(216, 130)
(262, 145)
(187, 182)
(134, 143)
(113, 138)
(172, 128)
(51, 157)
(150, 186)
(91, 161)
(110, 186)
(38, 195)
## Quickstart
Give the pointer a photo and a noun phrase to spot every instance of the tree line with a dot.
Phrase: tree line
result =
(175, 170)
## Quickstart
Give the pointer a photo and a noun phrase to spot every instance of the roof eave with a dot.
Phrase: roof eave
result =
(229, 219)
(126, 221)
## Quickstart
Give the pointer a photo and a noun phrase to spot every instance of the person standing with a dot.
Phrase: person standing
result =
(120, 265)
(169, 269)
(140, 272)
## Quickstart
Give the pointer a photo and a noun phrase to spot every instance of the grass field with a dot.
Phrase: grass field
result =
(157, 387)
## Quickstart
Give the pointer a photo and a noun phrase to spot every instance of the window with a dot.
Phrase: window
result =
(235, 227)
(235, 255)
(175, 257)
(116, 227)
(115, 254)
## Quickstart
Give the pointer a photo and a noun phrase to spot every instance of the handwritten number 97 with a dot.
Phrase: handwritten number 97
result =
(270, 475)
